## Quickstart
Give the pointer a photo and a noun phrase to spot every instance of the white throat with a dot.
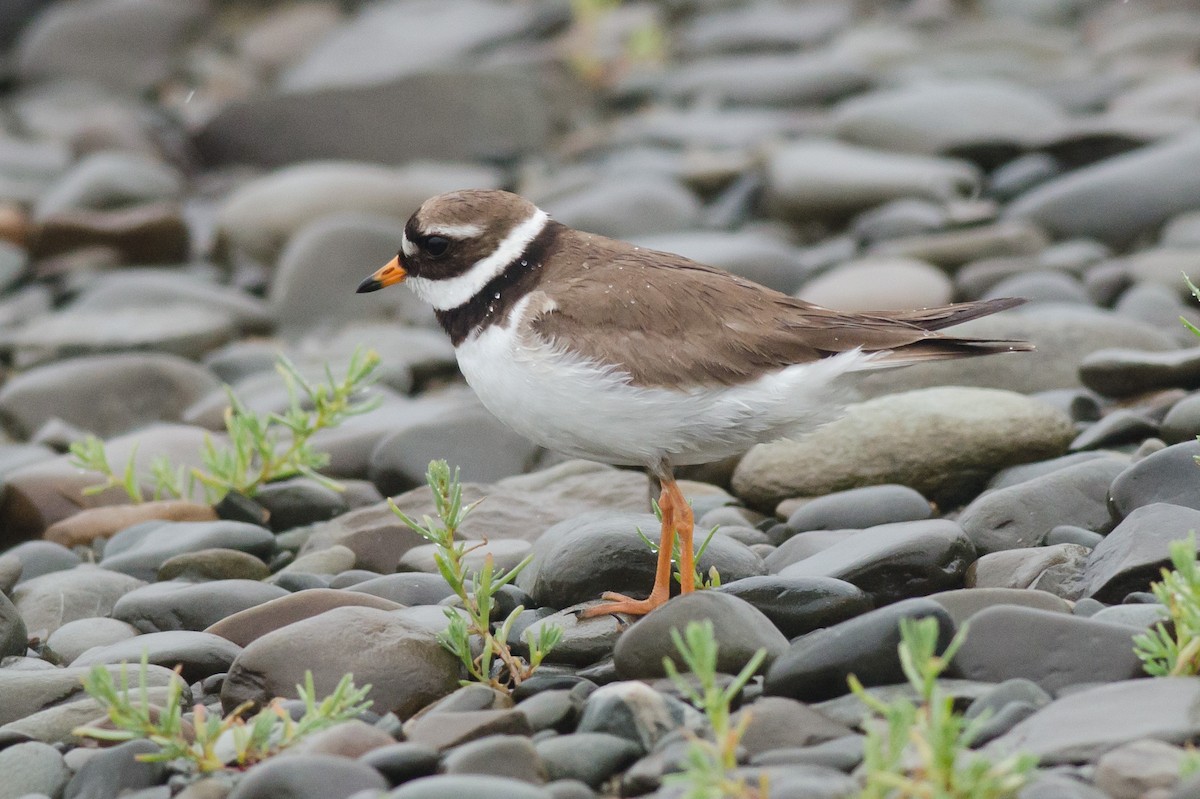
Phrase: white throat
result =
(455, 291)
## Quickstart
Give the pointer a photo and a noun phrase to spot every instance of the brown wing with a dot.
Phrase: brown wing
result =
(669, 321)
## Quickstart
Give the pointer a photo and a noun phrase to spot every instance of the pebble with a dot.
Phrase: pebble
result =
(254, 622)
(1123, 373)
(117, 770)
(799, 605)
(765, 259)
(891, 440)
(1056, 568)
(50, 601)
(452, 785)
(401, 762)
(74, 638)
(1133, 554)
(500, 756)
(93, 524)
(776, 722)
(963, 603)
(308, 776)
(815, 666)
(13, 634)
(164, 606)
(1131, 770)
(32, 768)
(212, 564)
(590, 757)
(200, 654)
(1161, 476)
(859, 508)
(583, 641)
(141, 550)
(446, 729)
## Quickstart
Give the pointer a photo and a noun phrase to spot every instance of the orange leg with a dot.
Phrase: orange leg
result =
(676, 517)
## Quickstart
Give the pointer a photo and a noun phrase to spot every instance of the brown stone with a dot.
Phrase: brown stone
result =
(247, 625)
(14, 224)
(87, 525)
(350, 739)
(447, 730)
(145, 234)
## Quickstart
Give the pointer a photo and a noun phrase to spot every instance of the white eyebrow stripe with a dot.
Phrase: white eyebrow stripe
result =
(455, 291)
(406, 246)
(467, 231)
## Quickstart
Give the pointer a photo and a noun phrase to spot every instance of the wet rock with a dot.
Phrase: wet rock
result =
(1122, 373)
(590, 757)
(307, 778)
(963, 603)
(1162, 476)
(739, 628)
(1057, 569)
(200, 654)
(816, 666)
(584, 641)
(250, 624)
(50, 601)
(25, 692)
(33, 768)
(636, 711)
(117, 770)
(404, 662)
(212, 564)
(979, 432)
(799, 605)
(1053, 650)
(1133, 554)
(498, 756)
(141, 550)
(76, 637)
(1023, 514)
(776, 722)
(166, 606)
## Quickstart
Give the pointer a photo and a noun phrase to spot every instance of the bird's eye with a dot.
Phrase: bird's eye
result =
(436, 246)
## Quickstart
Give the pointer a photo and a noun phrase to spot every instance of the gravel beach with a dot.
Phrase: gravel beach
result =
(190, 189)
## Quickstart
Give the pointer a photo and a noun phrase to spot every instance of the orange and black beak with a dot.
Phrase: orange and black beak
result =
(386, 275)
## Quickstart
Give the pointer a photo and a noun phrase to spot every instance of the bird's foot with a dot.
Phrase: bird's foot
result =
(619, 603)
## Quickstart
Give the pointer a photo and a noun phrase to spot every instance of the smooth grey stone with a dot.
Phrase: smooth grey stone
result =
(963, 603)
(76, 637)
(1123, 373)
(762, 26)
(766, 79)
(150, 288)
(1022, 174)
(890, 562)
(937, 116)
(111, 179)
(878, 282)
(1163, 476)
(798, 546)
(1154, 304)
(212, 565)
(407, 588)
(455, 786)
(859, 508)
(129, 46)
(956, 246)
(816, 666)
(1069, 534)
(1133, 554)
(944, 442)
(902, 217)
(828, 178)
(1117, 198)
(299, 501)
(800, 605)
(1022, 514)
(401, 762)
(1140, 767)
(160, 607)
(635, 711)
(307, 777)
(590, 757)
(843, 754)
(567, 570)
(626, 206)
(1000, 709)
(42, 557)
(116, 770)
(1120, 427)
(200, 654)
(1088, 607)
(570, 789)
(1049, 785)
(848, 709)
(13, 635)
(738, 627)
(32, 768)
(1029, 471)
(813, 781)
(776, 722)
(402, 660)
(763, 258)
(1082, 725)
(583, 642)
(1063, 334)
(1053, 650)
(1182, 422)
(38, 395)
(50, 601)
(139, 551)
(1040, 286)
(1135, 615)
(1056, 569)
(24, 693)
(554, 709)
(503, 756)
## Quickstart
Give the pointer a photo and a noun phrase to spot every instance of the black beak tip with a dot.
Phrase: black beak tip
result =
(368, 285)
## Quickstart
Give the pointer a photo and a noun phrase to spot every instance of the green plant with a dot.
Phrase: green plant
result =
(711, 580)
(917, 751)
(261, 447)
(477, 592)
(706, 772)
(1174, 650)
(212, 742)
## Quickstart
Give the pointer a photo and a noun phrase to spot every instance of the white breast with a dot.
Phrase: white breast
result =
(583, 409)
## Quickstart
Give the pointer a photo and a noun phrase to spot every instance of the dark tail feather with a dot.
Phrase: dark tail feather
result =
(943, 349)
(950, 315)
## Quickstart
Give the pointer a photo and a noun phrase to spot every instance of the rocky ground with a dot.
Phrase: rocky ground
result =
(189, 187)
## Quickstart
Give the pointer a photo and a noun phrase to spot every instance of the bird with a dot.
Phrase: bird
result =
(599, 349)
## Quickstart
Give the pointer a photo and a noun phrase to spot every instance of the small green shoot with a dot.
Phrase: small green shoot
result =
(711, 580)
(706, 775)
(261, 447)
(1174, 650)
(916, 751)
(477, 592)
(214, 742)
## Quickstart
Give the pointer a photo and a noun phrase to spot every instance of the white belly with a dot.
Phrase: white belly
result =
(573, 406)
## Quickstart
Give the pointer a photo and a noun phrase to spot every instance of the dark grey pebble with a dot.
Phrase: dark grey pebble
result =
(1133, 614)
(816, 666)
(1123, 373)
(1049, 785)
(114, 771)
(1079, 404)
(33, 768)
(895, 561)
(799, 605)
(570, 789)
(1028, 471)
(308, 777)
(1164, 476)
(1132, 555)
(13, 635)
(399, 763)
(293, 582)
(798, 546)
(739, 628)
(160, 607)
(1070, 534)
(448, 729)
(776, 722)
(504, 756)
(200, 654)
(963, 603)
(544, 681)
(1182, 422)
(1053, 650)
(1022, 174)
(809, 781)
(140, 550)
(1120, 427)
(407, 588)
(299, 501)
(843, 754)
(556, 710)
(458, 786)
(590, 757)
(1021, 515)
(859, 508)
(42, 557)
(583, 642)
(636, 711)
